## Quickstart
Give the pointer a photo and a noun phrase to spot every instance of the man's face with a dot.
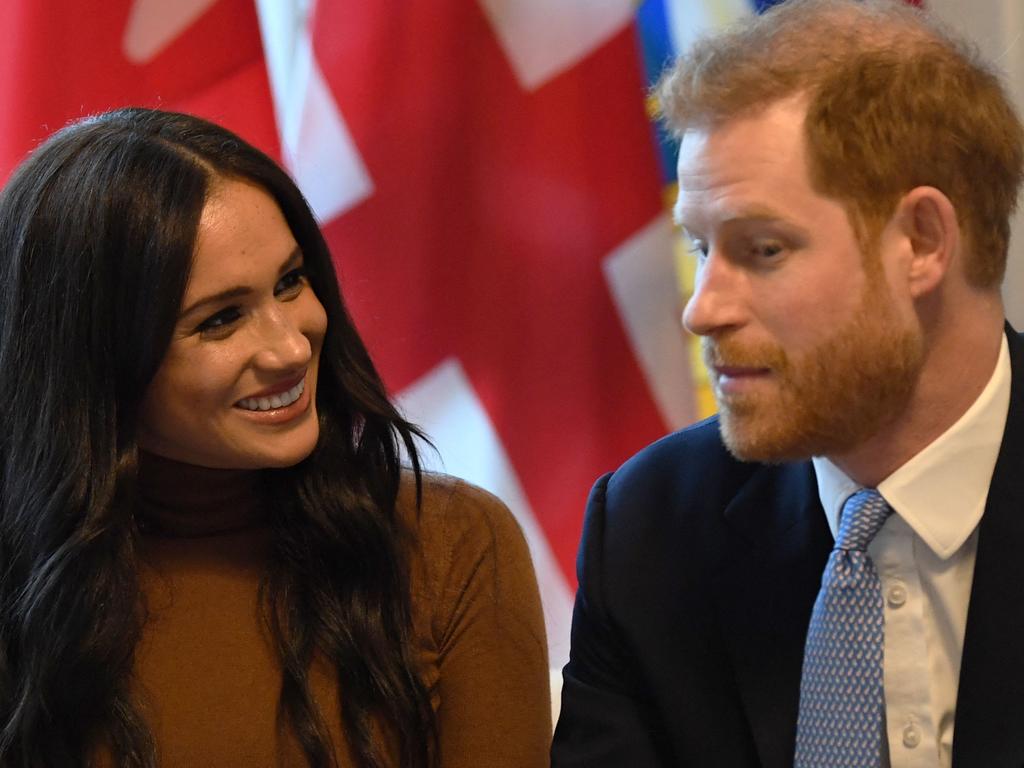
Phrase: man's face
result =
(810, 350)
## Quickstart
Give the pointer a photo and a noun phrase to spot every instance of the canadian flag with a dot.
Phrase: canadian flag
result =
(485, 175)
(64, 59)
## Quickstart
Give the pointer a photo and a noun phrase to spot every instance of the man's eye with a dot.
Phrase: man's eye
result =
(219, 322)
(767, 250)
(291, 283)
(698, 248)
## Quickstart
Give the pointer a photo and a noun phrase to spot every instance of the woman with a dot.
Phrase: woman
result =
(211, 554)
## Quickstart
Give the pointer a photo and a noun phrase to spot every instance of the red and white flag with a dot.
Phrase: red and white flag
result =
(499, 236)
(485, 176)
(64, 59)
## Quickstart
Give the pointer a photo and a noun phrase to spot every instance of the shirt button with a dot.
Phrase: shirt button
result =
(911, 737)
(897, 595)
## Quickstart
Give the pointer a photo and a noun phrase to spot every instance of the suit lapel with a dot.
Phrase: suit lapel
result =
(990, 707)
(770, 580)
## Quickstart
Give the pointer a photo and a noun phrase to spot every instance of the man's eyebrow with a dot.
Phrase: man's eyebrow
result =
(239, 291)
(763, 215)
(677, 215)
(753, 213)
(743, 215)
(679, 221)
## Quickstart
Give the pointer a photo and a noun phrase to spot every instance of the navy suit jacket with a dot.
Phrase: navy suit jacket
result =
(697, 577)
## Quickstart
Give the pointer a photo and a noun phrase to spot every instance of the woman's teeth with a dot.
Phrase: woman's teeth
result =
(274, 401)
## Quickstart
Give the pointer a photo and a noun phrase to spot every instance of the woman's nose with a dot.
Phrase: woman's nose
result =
(282, 343)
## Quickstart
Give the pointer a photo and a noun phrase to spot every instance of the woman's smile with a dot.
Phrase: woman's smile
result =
(276, 407)
(278, 396)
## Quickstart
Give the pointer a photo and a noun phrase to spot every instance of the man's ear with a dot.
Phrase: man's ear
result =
(927, 219)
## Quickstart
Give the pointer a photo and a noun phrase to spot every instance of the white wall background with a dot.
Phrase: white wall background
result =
(997, 27)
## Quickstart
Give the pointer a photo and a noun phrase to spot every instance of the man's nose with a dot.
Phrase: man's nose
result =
(716, 303)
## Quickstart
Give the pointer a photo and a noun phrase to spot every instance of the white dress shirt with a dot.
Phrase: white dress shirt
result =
(925, 556)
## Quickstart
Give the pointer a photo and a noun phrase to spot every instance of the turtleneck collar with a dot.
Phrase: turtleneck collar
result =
(187, 501)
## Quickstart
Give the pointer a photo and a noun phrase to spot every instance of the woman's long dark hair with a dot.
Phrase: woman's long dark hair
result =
(97, 232)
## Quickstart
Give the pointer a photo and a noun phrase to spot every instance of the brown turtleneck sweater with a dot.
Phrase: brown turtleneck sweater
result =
(208, 678)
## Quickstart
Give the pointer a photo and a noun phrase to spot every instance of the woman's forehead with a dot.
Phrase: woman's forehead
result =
(242, 234)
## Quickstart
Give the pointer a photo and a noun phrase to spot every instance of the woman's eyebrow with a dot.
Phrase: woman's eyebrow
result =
(240, 291)
(231, 293)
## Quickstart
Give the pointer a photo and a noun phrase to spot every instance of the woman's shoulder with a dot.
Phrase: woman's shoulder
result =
(462, 533)
(451, 508)
(479, 622)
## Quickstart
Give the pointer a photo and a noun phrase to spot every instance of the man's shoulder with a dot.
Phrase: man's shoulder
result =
(702, 441)
(692, 465)
(684, 486)
(675, 515)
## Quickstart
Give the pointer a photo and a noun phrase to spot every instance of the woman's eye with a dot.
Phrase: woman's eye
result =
(220, 322)
(291, 283)
(698, 248)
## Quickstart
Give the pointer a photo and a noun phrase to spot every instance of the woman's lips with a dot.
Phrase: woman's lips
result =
(279, 406)
(282, 386)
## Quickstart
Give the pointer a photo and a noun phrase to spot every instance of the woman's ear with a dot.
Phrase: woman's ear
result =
(927, 220)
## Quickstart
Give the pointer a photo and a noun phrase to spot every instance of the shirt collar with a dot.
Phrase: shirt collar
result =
(941, 491)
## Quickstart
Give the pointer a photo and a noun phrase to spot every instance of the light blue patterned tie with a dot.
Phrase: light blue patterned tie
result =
(840, 723)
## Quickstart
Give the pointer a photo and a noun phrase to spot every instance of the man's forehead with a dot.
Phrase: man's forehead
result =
(782, 117)
(763, 147)
(691, 145)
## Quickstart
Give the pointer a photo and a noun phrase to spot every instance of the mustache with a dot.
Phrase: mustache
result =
(722, 353)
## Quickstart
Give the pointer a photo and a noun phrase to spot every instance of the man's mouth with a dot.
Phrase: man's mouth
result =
(734, 380)
(740, 371)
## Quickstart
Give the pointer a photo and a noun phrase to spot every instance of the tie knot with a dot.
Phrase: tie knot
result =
(863, 515)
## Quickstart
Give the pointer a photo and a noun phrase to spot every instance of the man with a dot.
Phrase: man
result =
(847, 172)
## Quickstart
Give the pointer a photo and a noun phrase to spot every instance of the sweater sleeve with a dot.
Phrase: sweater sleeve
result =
(494, 705)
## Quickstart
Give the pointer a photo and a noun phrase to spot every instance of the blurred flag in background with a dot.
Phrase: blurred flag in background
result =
(500, 235)
(491, 186)
(64, 59)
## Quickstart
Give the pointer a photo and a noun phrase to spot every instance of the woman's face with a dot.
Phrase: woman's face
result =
(237, 388)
